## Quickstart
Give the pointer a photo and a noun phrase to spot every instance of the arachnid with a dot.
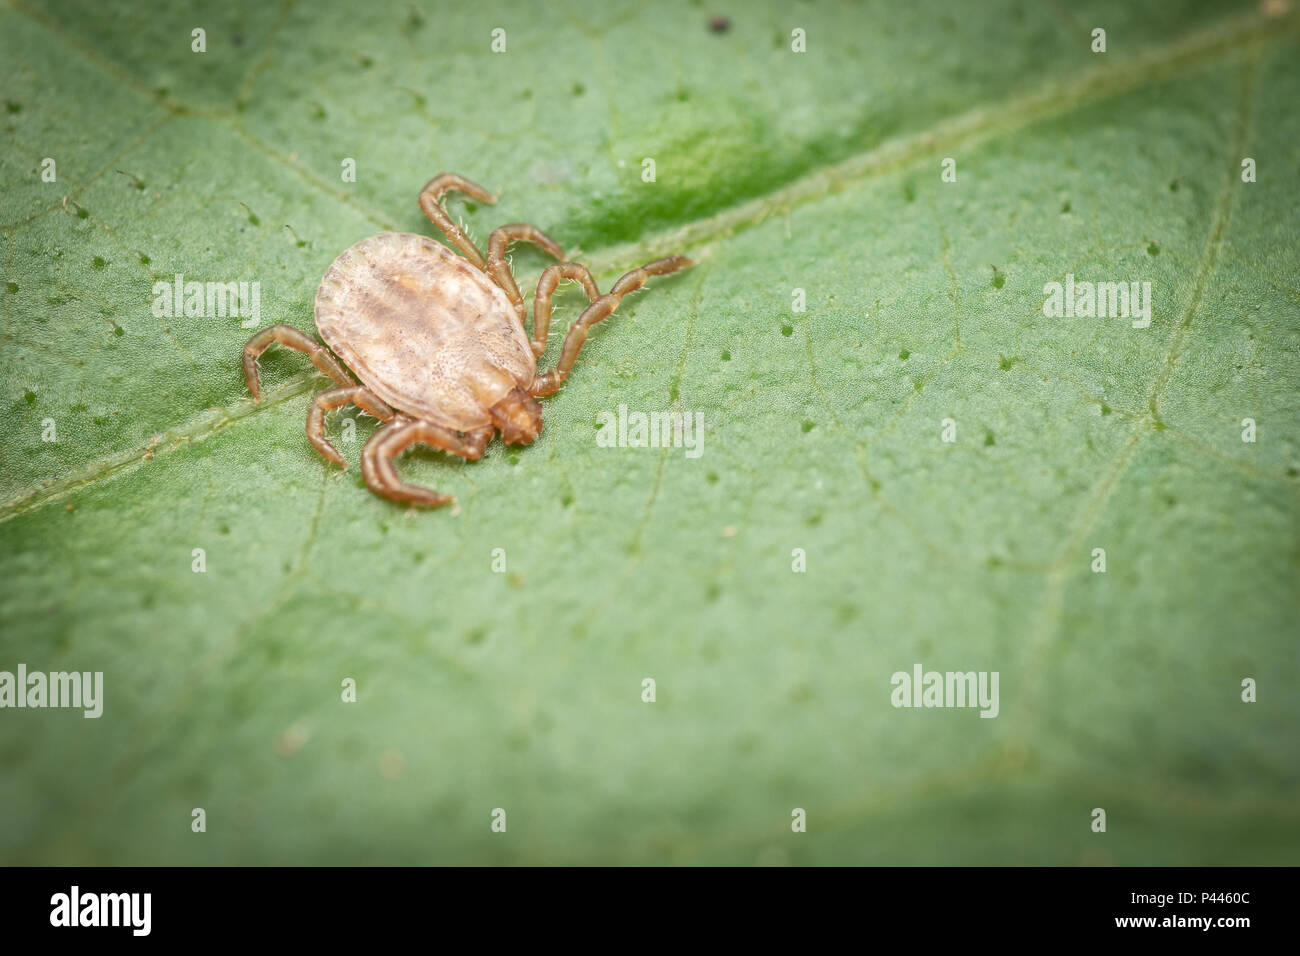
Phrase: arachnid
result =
(438, 341)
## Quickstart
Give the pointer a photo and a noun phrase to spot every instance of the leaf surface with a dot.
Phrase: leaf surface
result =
(779, 171)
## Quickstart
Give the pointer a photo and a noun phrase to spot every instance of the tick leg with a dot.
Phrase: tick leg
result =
(429, 203)
(363, 398)
(546, 288)
(601, 309)
(393, 439)
(294, 339)
(499, 269)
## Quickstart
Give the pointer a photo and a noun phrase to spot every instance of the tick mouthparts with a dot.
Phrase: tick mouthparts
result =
(518, 417)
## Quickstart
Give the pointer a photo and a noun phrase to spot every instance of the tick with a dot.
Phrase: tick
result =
(438, 342)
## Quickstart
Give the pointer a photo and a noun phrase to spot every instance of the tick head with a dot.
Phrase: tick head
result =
(518, 416)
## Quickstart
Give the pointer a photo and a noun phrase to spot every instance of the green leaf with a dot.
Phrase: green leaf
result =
(780, 171)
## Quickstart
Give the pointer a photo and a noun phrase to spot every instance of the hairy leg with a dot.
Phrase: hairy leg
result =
(551, 278)
(430, 197)
(499, 269)
(289, 336)
(390, 441)
(598, 310)
(357, 395)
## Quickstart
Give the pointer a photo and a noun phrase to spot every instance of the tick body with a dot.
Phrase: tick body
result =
(438, 341)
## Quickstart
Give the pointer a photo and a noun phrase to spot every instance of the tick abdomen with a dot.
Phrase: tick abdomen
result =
(423, 329)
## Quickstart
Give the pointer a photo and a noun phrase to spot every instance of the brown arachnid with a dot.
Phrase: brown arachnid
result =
(438, 341)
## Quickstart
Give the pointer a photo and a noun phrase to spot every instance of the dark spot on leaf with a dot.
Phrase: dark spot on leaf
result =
(673, 393)
(808, 426)
(1005, 363)
(999, 280)
(1153, 249)
(1173, 186)
(117, 329)
(683, 95)
(11, 286)
(253, 220)
(909, 191)
(566, 500)
(813, 520)
(726, 355)
(512, 457)
(1065, 208)
(904, 355)
(29, 397)
(1105, 409)
(579, 89)
(477, 636)
(719, 25)
(83, 212)
(98, 262)
(223, 528)
(787, 329)
(13, 107)
(144, 260)
(988, 437)
(365, 61)
(711, 478)
(471, 207)
(918, 383)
